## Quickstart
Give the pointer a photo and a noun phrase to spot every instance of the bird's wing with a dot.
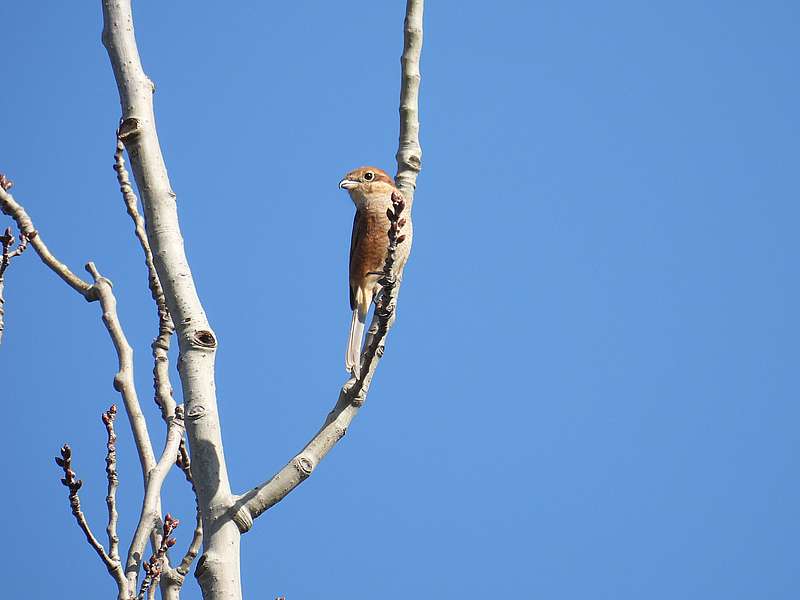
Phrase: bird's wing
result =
(355, 238)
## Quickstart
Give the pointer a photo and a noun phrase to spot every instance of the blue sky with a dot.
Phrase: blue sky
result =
(591, 390)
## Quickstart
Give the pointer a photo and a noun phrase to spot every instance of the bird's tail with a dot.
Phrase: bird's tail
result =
(352, 358)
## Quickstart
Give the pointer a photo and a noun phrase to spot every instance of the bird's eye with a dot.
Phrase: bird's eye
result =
(369, 176)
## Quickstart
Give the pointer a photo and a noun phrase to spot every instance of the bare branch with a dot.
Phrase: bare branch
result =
(7, 240)
(184, 464)
(409, 152)
(194, 546)
(123, 380)
(218, 571)
(74, 484)
(149, 515)
(352, 396)
(113, 482)
(160, 346)
(155, 566)
(99, 290)
(10, 207)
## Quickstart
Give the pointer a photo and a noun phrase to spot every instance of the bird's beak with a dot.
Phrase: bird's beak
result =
(347, 184)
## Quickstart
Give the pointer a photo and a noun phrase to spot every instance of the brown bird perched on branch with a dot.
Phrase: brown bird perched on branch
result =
(371, 191)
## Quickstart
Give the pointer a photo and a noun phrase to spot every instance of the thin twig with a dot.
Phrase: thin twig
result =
(155, 566)
(194, 545)
(7, 240)
(113, 482)
(149, 515)
(10, 207)
(123, 379)
(160, 345)
(184, 462)
(74, 484)
(192, 551)
(99, 290)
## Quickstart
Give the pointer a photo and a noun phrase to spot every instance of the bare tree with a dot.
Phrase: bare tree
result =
(222, 515)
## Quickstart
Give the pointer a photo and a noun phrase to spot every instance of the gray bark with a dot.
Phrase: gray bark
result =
(218, 568)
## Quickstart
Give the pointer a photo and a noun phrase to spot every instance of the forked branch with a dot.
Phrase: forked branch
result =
(113, 482)
(160, 346)
(100, 290)
(160, 350)
(218, 570)
(155, 566)
(155, 480)
(71, 481)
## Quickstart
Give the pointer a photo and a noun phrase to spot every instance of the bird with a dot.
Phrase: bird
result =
(371, 191)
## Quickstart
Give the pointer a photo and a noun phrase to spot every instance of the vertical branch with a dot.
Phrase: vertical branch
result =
(100, 290)
(409, 152)
(123, 380)
(74, 484)
(113, 482)
(160, 345)
(2, 298)
(149, 516)
(155, 566)
(7, 241)
(197, 537)
(218, 569)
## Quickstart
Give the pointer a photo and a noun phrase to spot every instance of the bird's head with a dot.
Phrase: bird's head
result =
(366, 181)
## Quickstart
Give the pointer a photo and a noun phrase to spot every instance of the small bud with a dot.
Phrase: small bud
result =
(60, 462)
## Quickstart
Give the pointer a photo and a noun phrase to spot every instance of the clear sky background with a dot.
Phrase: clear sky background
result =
(591, 390)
